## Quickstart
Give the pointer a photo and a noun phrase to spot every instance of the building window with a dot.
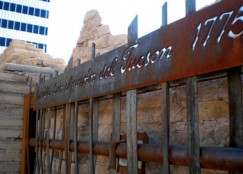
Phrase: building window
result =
(43, 13)
(2, 41)
(46, 31)
(36, 29)
(6, 6)
(42, 30)
(8, 40)
(10, 24)
(23, 26)
(37, 12)
(4, 23)
(12, 7)
(29, 28)
(31, 11)
(17, 25)
(19, 8)
(1, 4)
(25, 10)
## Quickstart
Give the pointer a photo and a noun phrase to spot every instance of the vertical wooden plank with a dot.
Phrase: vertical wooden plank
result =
(67, 137)
(54, 134)
(193, 125)
(116, 117)
(36, 167)
(48, 140)
(76, 137)
(24, 136)
(95, 124)
(165, 110)
(165, 121)
(131, 111)
(116, 129)
(63, 134)
(41, 132)
(235, 109)
(192, 112)
(91, 154)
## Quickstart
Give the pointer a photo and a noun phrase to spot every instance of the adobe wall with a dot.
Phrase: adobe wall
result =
(15, 82)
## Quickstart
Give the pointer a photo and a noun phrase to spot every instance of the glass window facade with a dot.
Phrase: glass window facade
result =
(24, 9)
(6, 41)
(15, 25)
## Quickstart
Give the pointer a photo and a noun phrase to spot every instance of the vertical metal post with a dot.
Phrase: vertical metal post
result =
(235, 108)
(192, 112)
(91, 153)
(131, 111)
(165, 115)
(67, 137)
(164, 14)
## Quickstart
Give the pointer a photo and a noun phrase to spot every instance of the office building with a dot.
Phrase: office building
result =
(25, 20)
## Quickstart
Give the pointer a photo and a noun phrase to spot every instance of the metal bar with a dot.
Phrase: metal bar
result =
(164, 14)
(67, 137)
(131, 110)
(76, 137)
(91, 154)
(218, 158)
(190, 7)
(165, 117)
(48, 140)
(165, 121)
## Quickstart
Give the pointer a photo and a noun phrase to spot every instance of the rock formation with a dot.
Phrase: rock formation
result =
(23, 53)
(94, 31)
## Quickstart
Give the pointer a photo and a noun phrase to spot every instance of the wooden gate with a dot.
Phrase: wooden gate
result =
(203, 46)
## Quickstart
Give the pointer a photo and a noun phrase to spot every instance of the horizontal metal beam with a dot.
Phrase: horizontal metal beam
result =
(219, 158)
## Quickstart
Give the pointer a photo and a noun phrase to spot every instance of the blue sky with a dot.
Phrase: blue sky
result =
(66, 19)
